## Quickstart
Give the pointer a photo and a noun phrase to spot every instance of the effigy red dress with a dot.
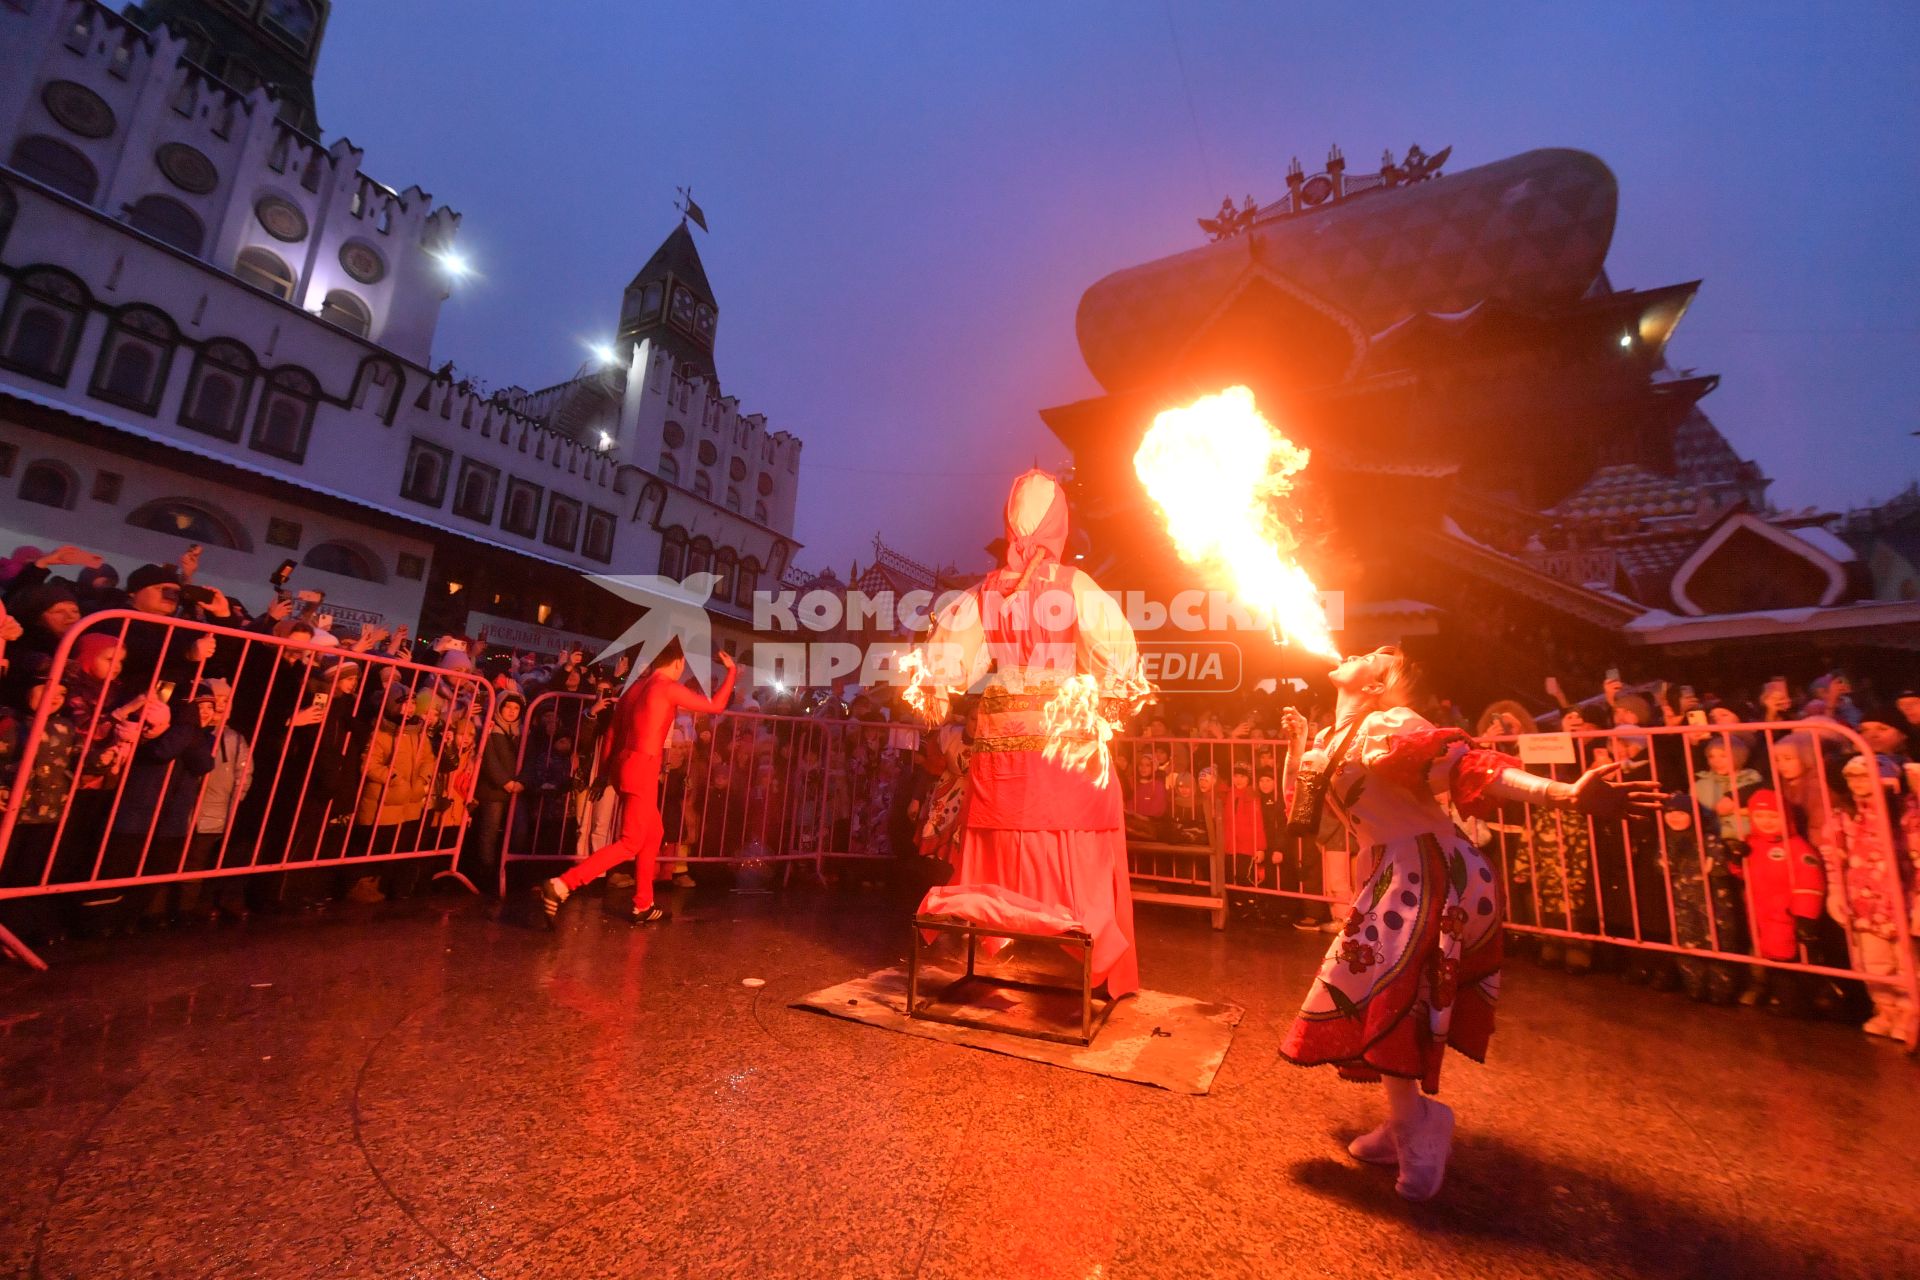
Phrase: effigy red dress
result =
(1042, 826)
(1416, 967)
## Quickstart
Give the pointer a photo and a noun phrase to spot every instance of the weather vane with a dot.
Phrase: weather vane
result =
(688, 209)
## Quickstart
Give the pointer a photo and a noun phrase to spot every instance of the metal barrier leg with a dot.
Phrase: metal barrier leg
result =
(1217, 884)
(20, 950)
(458, 878)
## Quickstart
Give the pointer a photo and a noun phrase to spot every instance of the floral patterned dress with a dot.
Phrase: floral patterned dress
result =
(1417, 965)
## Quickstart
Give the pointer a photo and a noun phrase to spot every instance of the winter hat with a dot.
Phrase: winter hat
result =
(1884, 766)
(206, 690)
(91, 646)
(1678, 802)
(32, 603)
(151, 575)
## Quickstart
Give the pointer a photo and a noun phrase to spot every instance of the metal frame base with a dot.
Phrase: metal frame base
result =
(1093, 1012)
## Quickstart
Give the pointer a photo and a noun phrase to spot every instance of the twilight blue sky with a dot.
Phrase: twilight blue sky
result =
(907, 200)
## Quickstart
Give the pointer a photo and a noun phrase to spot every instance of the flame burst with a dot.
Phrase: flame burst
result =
(1076, 730)
(1214, 467)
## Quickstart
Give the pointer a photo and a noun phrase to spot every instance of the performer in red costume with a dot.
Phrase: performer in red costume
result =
(630, 754)
(1043, 837)
(1417, 966)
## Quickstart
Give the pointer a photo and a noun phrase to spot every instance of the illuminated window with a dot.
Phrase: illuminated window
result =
(345, 559)
(347, 312)
(193, 521)
(265, 271)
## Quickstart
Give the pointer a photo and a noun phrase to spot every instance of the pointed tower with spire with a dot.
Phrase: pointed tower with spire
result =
(671, 303)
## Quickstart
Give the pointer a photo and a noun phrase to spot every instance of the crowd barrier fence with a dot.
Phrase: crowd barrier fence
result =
(1678, 884)
(315, 758)
(736, 788)
(311, 759)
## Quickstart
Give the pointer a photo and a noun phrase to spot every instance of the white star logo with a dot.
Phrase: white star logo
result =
(673, 609)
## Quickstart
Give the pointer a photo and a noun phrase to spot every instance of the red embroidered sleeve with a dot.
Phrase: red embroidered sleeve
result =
(1473, 773)
(1411, 757)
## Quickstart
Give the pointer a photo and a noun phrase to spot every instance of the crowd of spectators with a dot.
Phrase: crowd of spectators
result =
(1791, 844)
(171, 749)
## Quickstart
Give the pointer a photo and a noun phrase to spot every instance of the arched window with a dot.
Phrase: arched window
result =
(473, 496)
(746, 582)
(192, 521)
(265, 271)
(760, 512)
(669, 469)
(58, 165)
(345, 559)
(733, 498)
(673, 553)
(218, 389)
(702, 484)
(294, 21)
(596, 540)
(348, 312)
(169, 222)
(377, 386)
(286, 414)
(132, 369)
(425, 479)
(40, 328)
(724, 564)
(563, 522)
(48, 484)
(699, 556)
(522, 513)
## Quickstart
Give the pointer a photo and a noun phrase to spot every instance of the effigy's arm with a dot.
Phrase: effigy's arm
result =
(1107, 649)
(953, 658)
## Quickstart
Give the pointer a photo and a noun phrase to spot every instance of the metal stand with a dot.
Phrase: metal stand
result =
(20, 950)
(1093, 1013)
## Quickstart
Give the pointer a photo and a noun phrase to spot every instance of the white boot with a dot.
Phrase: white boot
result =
(1424, 1143)
(1376, 1146)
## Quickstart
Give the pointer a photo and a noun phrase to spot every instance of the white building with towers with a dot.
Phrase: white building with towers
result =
(215, 327)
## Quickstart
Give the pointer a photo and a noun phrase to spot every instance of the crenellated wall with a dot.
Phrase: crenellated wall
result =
(152, 124)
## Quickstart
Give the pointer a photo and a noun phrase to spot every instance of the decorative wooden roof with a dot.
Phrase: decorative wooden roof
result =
(1532, 229)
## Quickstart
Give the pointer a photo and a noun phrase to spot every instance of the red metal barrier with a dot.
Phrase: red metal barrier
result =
(1658, 887)
(1696, 888)
(738, 787)
(136, 770)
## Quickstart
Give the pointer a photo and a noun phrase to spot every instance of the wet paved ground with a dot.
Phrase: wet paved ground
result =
(425, 1092)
